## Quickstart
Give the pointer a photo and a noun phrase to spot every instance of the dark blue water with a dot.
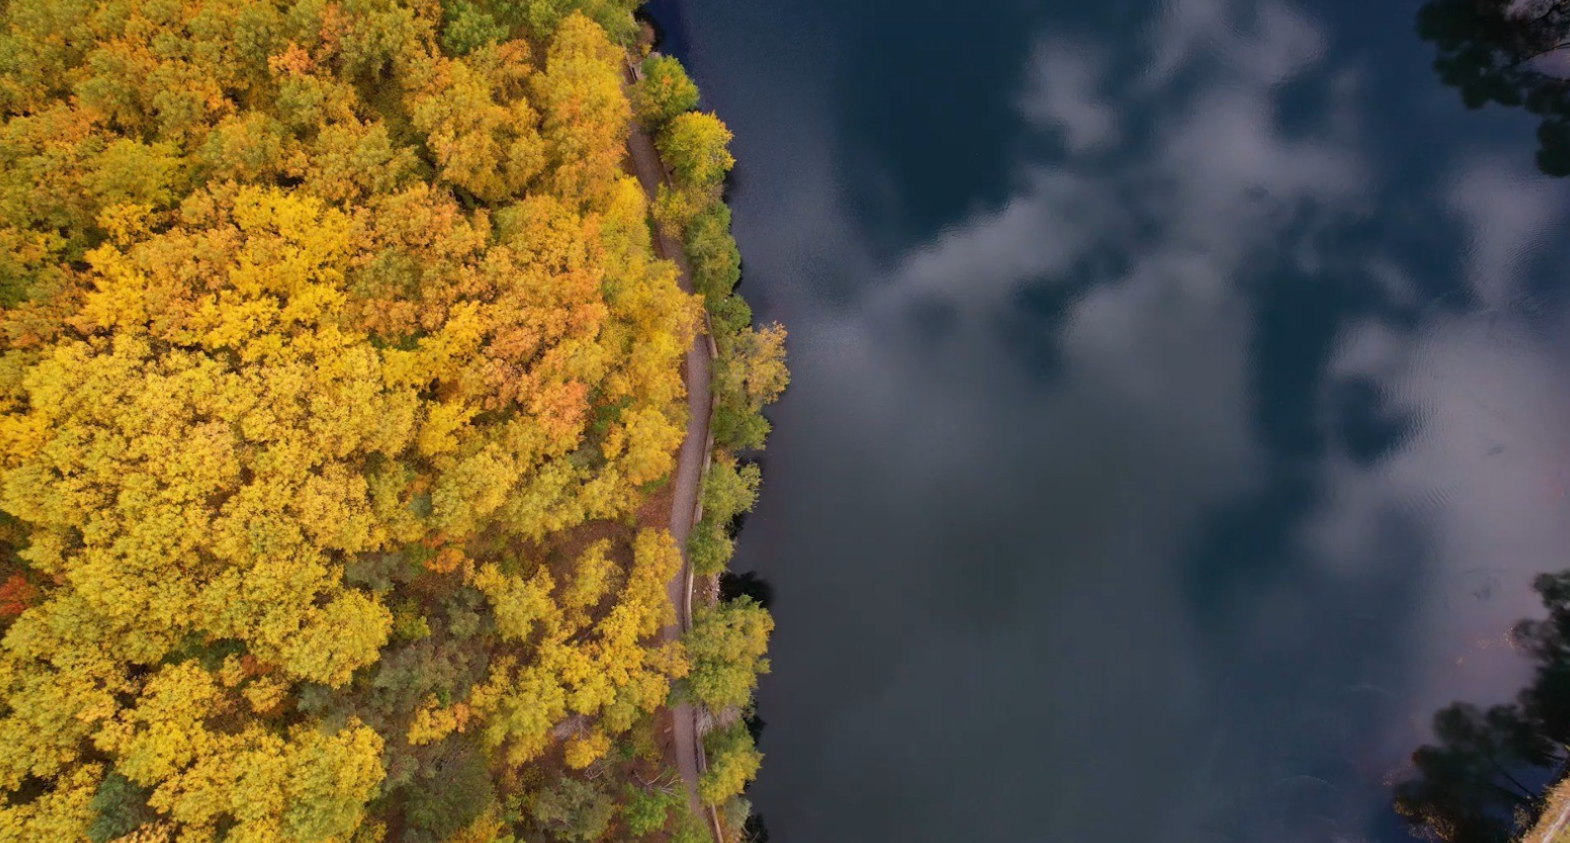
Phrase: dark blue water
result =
(1179, 414)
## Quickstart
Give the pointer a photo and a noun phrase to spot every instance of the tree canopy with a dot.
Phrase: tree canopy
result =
(663, 91)
(337, 379)
(1509, 53)
(727, 644)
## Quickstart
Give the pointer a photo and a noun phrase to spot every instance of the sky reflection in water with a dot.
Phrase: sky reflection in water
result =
(1179, 411)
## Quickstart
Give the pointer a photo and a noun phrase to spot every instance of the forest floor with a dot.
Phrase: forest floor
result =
(690, 463)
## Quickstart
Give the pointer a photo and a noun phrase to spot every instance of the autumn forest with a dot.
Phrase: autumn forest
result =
(342, 375)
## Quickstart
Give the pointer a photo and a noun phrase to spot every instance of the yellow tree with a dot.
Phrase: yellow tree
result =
(484, 141)
(663, 91)
(585, 112)
(190, 466)
(696, 146)
(306, 786)
(308, 313)
(204, 444)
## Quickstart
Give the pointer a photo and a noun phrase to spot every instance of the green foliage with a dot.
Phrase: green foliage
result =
(750, 371)
(729, 489)
(574, 811)
(465, 613)
(381, 572)
(733, 761)
(733, 818)
(646, 811)
(749, 374)
(727, 642)
(664, 92)
(466, 27)
(452, 789)
(709, 547)
(326, 784)
(726, 645)
(119, 807)
(133, 173)
(739, 426)
(729, 316)
(696, 147)
(691, 829)
(408, 623)
(716, 262)
(676, 207)
(543, 17)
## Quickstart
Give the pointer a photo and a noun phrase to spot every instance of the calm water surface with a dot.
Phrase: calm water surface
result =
(1180, 409)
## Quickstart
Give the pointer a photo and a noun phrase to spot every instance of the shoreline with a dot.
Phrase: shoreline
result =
(732, 371)
(690, 465)
(693, 458)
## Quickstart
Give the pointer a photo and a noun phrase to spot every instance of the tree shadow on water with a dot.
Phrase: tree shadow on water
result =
(1483, 780)
(1509, 52)
(746, 584)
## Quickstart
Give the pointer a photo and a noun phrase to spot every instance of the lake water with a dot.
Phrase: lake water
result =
(1179, 409)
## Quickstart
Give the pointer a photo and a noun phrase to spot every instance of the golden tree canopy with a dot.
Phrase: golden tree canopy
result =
(318, 316)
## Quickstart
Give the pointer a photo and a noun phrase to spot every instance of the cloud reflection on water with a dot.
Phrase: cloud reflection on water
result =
(1101, 576)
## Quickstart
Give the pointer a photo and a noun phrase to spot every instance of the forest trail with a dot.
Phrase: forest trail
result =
(690, 462)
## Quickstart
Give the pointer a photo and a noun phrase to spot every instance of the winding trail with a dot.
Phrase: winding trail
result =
(690, 465)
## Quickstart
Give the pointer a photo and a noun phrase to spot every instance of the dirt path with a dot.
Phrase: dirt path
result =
(1546, 830)
(690, 463)
(1559, 823)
